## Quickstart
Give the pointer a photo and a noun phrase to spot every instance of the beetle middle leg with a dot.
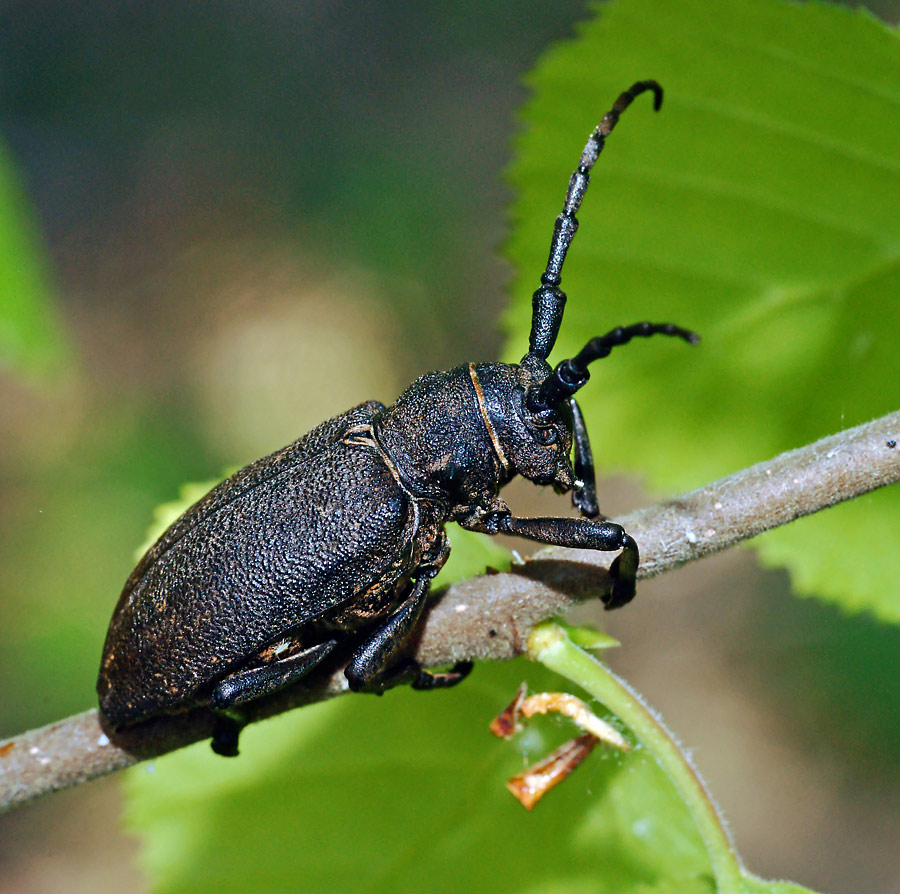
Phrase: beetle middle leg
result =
(373, 666)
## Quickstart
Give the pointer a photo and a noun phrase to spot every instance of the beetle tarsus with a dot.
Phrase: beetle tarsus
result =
(443, 680)
(226, 733)
(623, 572)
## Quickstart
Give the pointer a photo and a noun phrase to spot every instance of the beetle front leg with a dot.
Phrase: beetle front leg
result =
(576, 533)
(373, 666)
(584, 497)
(583, 533)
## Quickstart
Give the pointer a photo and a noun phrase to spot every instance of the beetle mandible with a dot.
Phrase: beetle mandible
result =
(332, 542)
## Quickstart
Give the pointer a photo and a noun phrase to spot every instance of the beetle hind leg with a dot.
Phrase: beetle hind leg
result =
(251, 683)
(255, 682)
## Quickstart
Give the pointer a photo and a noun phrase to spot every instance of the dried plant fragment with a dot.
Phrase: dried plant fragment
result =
(575, 709)
(532, 784)
(508, 721)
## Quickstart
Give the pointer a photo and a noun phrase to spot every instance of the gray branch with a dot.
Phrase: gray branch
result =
(489, 617)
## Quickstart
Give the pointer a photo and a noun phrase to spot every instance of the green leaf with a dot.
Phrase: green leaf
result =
(550, 644)
(471, 554)
(30, 334)
(761, 207)
(407, 793)
(589, 639)
(758, 886)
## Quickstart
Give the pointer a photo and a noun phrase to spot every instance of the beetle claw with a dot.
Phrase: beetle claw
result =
(456, 674)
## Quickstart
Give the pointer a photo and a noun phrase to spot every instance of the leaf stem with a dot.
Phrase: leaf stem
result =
(550, 645)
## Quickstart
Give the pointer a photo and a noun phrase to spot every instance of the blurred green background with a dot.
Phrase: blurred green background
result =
(251, 216)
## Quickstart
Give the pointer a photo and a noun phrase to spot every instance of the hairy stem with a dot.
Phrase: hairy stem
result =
(490, 617)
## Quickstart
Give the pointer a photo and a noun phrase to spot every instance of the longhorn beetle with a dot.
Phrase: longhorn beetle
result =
(332, 542)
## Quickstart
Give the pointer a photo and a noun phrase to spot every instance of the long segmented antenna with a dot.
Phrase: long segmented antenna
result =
(549, 301)
(570, 375)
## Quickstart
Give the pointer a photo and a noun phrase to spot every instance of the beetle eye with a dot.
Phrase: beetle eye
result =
(545, 434)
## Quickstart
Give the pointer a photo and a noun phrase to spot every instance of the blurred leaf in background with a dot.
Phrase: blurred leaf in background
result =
(31, 340)
(761, 208)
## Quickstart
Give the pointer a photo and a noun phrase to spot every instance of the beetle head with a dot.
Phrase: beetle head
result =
(544, 409)
(533, 444)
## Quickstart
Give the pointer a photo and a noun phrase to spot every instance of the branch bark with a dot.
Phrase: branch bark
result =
(489, 617)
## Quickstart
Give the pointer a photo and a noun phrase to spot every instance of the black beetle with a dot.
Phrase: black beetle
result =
(333, 541)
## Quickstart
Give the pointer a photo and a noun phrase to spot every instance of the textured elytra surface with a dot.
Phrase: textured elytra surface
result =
(283, 542)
